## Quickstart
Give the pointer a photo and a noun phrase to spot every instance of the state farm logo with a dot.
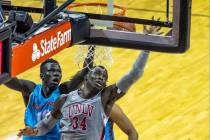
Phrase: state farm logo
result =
(47, 46)
(36, 52)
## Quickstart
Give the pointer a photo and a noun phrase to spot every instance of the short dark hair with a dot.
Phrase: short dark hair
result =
(50, 60)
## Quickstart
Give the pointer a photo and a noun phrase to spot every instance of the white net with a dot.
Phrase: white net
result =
(103, 55)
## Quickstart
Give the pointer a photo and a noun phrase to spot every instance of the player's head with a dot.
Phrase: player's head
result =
(50, 73)
(97, 77)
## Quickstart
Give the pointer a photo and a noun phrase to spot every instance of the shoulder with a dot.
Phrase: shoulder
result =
(27, 85)
(109, 90)
(37, 89)
(63, 97)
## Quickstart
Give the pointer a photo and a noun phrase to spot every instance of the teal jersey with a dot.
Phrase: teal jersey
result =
(37, 109)
(109, 134)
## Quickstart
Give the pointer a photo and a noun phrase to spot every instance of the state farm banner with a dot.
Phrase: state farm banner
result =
(40, 47)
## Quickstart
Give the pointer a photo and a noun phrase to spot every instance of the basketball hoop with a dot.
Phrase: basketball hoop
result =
(98, 4)
(103, 55)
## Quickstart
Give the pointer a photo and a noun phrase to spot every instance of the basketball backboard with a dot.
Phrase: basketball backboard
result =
(175, 16)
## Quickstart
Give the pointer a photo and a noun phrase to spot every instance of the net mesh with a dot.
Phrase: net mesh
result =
(102, 54)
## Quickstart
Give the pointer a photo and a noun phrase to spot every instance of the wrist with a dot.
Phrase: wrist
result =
(34, 131)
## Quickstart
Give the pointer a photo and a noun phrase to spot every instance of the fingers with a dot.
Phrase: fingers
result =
(158, 28)
(27, 131)
(153, 18)
(20, 133)
(152, 29)
(145, 29)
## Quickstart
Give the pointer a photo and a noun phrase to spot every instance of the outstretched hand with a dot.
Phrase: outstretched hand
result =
(28, 131)
(152, 29)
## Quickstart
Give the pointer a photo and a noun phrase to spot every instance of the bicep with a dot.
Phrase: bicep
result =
(112, 94)
(15, 84)
(23, 86)
(109, 96)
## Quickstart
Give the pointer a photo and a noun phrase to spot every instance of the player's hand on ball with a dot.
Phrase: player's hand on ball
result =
(28, 131)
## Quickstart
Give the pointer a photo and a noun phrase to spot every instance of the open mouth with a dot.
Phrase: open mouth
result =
(99, 82)
(55, 81)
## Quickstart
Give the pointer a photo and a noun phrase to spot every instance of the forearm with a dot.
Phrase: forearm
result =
(134, 74)
(133, 135)
(74, 83)
(45, 125)
(78, 78)
(88, 63)
(122, 121)
(50, 120)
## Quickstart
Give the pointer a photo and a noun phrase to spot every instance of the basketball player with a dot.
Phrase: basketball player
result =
(84, 112)
(26, 87)
(42, 96)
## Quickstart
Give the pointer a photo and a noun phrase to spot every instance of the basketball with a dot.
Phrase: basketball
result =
(124, 26)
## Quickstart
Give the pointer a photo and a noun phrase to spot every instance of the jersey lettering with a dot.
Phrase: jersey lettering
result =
(77, 109)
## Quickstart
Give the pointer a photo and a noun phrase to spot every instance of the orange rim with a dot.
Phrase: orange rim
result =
(121, 13)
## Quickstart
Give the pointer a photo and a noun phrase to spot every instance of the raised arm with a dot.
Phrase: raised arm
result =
(78, 78)
(48, 122)
(116, 91)
(122, 121)
(122, 86)
(133, 75)
(23, 86)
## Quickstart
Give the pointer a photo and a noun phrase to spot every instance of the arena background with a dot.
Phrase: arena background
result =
(170, 102)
